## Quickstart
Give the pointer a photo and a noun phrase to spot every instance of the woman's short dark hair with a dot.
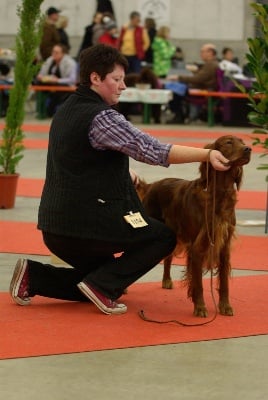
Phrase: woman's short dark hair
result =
(101, 59)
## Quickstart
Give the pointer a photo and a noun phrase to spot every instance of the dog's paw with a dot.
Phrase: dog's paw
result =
(200, 311)
(167, 284)
(226, 309)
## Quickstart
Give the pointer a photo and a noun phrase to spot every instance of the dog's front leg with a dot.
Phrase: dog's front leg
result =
(224, 271)
(166, 280)
(195, 285)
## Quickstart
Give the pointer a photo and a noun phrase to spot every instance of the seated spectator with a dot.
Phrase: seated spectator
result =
(146, 76)
(228, 64)
(59, 69)
(163, 50)
(4, 80)
(177, 60)
(110, 36)
(247, 72)
(205, 77)
(61, 26)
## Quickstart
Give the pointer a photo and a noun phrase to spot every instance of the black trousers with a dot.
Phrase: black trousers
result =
(179, 107)
(94, 262)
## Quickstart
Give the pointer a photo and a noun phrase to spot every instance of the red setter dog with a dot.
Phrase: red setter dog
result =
(202, 214)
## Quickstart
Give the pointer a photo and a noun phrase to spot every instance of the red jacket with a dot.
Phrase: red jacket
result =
(106, 38)
(140, 53)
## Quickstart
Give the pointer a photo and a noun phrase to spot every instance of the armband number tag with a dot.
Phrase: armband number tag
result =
(135, 220)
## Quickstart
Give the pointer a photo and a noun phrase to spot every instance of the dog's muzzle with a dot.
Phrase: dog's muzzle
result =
(244, 159)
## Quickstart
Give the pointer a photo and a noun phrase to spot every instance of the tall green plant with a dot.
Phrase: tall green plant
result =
(257, 58)
(27, 42)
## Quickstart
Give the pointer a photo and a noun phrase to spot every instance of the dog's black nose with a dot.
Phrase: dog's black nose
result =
(247, 149)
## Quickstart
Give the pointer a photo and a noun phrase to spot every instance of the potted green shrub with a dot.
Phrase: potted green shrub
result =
(257, 58)
(11, 143)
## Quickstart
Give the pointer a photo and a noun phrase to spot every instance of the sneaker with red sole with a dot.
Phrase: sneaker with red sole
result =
(106, 305)
(19, 285)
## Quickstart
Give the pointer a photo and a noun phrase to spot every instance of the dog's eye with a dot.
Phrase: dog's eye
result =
(229, 141)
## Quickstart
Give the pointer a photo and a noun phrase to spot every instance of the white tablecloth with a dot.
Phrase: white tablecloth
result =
(149, 96)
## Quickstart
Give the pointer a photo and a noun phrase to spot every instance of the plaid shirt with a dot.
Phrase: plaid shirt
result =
(111, 131)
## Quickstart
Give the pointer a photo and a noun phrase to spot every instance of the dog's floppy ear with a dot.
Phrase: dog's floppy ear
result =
(238, 175)
(203, 165)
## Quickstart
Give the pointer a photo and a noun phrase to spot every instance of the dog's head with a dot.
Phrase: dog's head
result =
(236, 151)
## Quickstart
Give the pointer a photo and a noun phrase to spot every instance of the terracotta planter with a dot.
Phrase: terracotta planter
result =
(8, 189)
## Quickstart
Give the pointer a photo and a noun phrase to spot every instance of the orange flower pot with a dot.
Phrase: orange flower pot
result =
(8, 190)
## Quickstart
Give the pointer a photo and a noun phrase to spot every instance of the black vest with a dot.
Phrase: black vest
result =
(87, 192)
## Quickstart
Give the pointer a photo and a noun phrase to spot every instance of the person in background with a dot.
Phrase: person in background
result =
(87, 38)
(227, 63)
(148, 76)
(50, 35)
(59, 69)
(203, 77)
(177, 60)
(89, 207)
(61, 26)
(145, 77)
(110, 36)
(133, 42)
(99, 27)
(150, 25)
(104, 6)
(4, 80)
(163, 51)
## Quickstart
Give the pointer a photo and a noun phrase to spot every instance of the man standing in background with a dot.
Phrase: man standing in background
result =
(133, 42)
(50, 35)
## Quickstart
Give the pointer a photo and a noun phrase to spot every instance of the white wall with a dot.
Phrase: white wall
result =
(192, 22)
(188, 19)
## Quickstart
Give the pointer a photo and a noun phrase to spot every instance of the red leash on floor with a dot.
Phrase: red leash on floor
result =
(142, 315)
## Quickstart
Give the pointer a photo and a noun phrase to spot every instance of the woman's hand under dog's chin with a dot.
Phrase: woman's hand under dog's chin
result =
(184, 154)
(218, 161)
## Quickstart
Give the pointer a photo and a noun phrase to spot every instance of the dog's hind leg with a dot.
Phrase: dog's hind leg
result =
(166, 280)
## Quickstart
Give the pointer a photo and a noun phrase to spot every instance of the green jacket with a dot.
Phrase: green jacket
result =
(163, 50)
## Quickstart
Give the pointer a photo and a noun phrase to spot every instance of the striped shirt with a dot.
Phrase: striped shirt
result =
(111, 131)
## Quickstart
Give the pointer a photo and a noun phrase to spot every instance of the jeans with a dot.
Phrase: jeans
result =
(134, 64)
